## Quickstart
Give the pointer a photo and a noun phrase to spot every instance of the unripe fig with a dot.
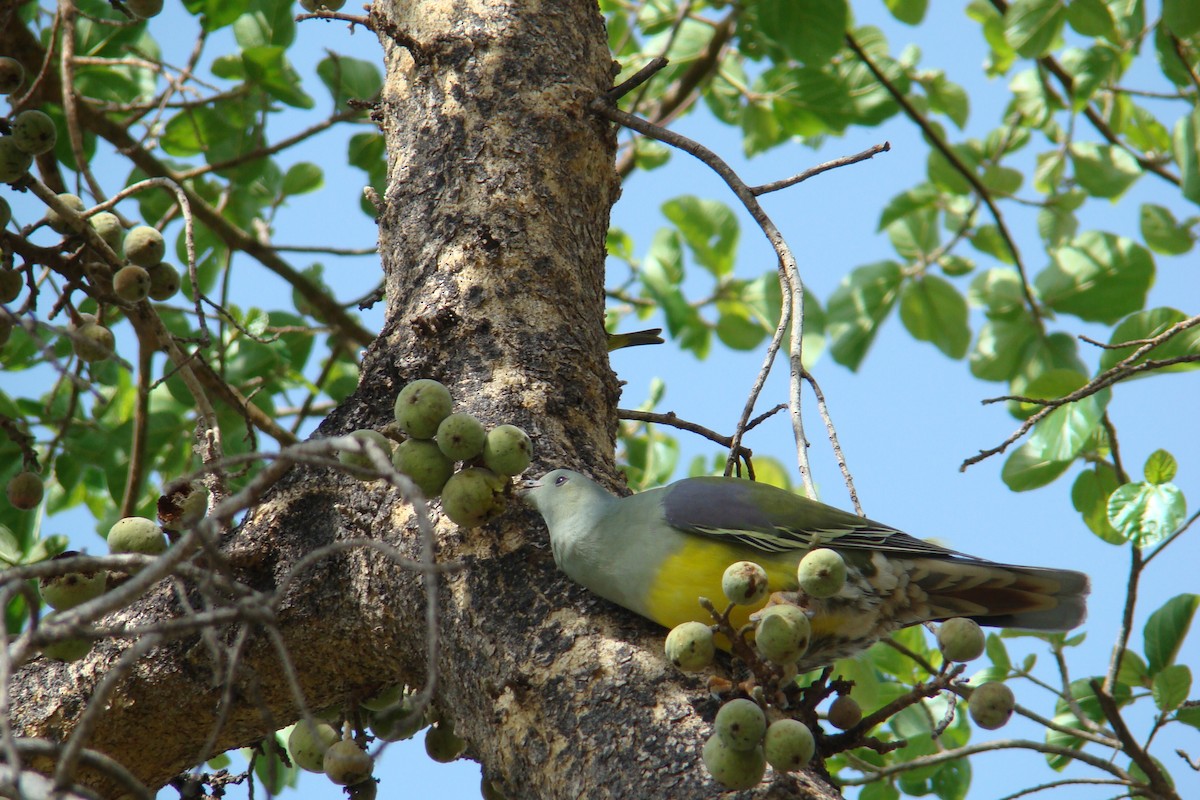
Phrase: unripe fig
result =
(733, 769)
(362, 460)
(33, 131)
(73, 588)
(92, 342)
(5, 213)
(789, 745)
(145, 246)
(473, 496)
(14, 162)
(385, 698)
(346, 763)
(312, 6)
(689, 646)
(741, 724)
(12, 75)
(24, 490)
(960, 639)
(991, 705)
(397, 722)
(59, 223)
(442, 745)
(507, 450)
(307, 744)
(108, 225)
(363, 790)
(10, 284)
(144, 9)
(821, 573)
(461, 436)
(70, 649)
(131, 283)
(845, 713)
(782, 633)
(421, 406)
(744, 583)
(164, 281)
(136, 535)
(425, 463)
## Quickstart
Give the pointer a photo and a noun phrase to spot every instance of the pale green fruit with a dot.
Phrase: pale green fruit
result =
(144, 9)
(307, 744)
(425, 463)
(93, 342)
(164, 281)
(12, 75)
(71, 649)
(442, 745)
(991, 705)
(14, 162)
(744, 583)
(33, 131)
(845, 713)
(59, 223)
(821, 573)
(73, 588)
(108, 225)
(311, 6)
(397, 722)
(782, 633)
(960, 639)
(145, 246)
(10, 284)
(24, 490)
(362, 460)
(461, 436)
(421, 406)
(507, 450)
(136, 535)
(741, 724)
(131, 283)
(346, 763)
(689, 646)
(473, 496)
(733, 769)
(388, 697)
(789, 745)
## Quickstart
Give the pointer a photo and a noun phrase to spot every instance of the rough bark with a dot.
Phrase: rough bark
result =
(492, 243)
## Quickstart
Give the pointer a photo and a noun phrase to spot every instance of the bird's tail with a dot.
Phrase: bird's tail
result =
(1002, 595)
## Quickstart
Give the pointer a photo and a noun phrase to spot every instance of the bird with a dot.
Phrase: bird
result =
(634, 338)
(657, 552)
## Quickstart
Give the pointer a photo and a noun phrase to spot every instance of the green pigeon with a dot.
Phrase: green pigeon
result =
(658, 551)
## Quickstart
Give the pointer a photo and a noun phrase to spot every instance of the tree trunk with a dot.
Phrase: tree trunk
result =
(492, 242)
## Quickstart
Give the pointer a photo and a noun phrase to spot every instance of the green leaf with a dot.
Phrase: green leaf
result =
(952, 780)
(910, 12)
(1165, 630)
(1099, 277)
(1133, 670)
(1182, 17)
(1162, 233)
(1145, 513)
(349, 79)
(10, 548)
(948, 98)
(662, 274)
(1185, 144)
(737, 330)
(1160, 467)
(1171, 686)
(269, 24)
(916, 199)
(267, 67)
(1026, 469)
(1001, 348)
(997, 653)
(1089, 495)
(857, 308)
(709, 228)
(1103, 170)
(998, 291)
(302, 178)
(1148, 324)
(933, 311)
(810, 31)
(1064, 432)
(1189, 715)
(1031, 26)
(1091, 18)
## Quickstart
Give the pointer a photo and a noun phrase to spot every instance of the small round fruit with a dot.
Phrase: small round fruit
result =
(733, 769)
(782, 633)
(507, 450)
(363, 790)
(57, 222)
(397, 722)
(789, 745)
(73, 588)
(473, 496)
(145, 246)
(93, 342)
(14, 162)
(67, 649)
(108, 225)
(385, 698)
(346, 763)
(132, 283)
(461, 436)
(442, 745)
(689, 646)
(744, 583)
(12, 75)
(136, 535)
(25, 491)
(360, 459)
(10, 284)
(5, 213)
(845, 713)
(421, 406)
(821, 573)
(741, 724)
(33, 131)
(425, 463)
(991, 705)
(307, 744)
(164, 281)
(144, 9)
(312, 6)
(960, 639)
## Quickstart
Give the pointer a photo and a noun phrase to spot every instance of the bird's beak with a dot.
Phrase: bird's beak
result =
(526, 486)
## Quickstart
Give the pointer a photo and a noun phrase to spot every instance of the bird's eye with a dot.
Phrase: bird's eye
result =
(560, 480)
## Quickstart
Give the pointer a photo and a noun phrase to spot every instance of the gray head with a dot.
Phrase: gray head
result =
(566, 499)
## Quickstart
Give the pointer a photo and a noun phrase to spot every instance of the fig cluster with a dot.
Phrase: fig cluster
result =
(743, 743)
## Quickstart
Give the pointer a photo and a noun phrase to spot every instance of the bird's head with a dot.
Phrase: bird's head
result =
(565, 498)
